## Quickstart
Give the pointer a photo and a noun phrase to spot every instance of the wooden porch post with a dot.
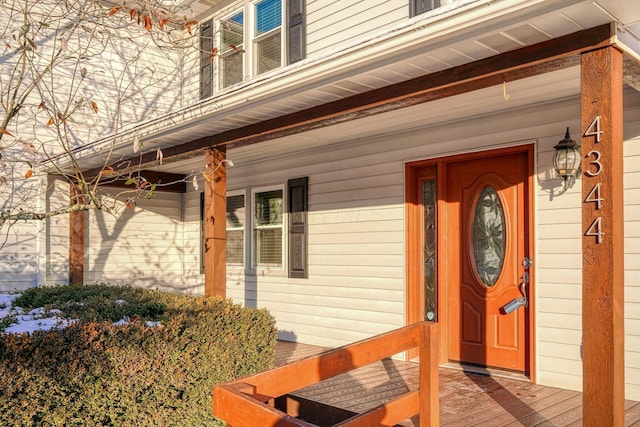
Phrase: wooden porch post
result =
(215, 222)
(603, 234)
(76, 236)
(429, 374)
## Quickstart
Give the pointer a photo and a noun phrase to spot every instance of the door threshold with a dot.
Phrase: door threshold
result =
(488, 371)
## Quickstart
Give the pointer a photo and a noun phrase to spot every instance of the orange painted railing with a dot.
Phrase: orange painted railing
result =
(248, 401)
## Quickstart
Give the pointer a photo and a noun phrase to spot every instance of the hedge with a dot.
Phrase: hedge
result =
(94, 373)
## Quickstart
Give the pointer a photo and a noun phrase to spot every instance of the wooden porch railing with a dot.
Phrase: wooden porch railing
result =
(249, 401)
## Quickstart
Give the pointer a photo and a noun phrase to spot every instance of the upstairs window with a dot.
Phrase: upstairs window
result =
(231, 50)
(417, 7)
(258, 37)
(268, 39)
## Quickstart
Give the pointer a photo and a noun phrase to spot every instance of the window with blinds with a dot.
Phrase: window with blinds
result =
(235, 229)
(232, 50)
(259, 36)
(268, 228)
(268, 35)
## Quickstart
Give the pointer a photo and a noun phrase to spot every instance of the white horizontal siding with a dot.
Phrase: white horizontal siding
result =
(142, 246)
(20, 241)
(632, 256)
(57, 241)
(334, 23)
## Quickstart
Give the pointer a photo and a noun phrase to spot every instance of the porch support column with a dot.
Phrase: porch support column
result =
(215, 222)
(76, 236)
(602, 241)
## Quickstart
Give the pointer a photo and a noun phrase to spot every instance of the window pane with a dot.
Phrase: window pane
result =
(268, 53)
(267, 234)
(429, 251)
(235, 211)
(269, 246)
(422, 6)
(235, 229)
(268, 208)
(235, 246)
(231, 49)
(488, 240)
(268, 15)
(232, 31)
(231, 69)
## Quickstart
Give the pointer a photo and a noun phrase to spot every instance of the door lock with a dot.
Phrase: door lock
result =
(523, 301)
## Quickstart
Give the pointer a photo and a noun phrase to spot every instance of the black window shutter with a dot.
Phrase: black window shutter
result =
(296, 31)
(422, 6)
(206, 64)
(297, 195)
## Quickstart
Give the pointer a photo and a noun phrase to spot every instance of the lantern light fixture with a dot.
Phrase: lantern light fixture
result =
(567, 160)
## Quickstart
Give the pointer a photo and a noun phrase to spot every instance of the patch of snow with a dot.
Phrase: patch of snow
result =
(40, 319)
(37, 319)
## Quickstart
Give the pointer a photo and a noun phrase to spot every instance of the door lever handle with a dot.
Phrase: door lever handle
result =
(523, 301)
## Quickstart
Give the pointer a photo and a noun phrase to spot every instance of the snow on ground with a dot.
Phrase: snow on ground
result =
(40, 319)
(37, 319)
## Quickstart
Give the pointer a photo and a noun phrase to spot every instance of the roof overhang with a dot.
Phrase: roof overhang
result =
(374, 77)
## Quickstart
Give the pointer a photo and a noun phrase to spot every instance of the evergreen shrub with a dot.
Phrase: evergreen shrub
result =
(95, 373)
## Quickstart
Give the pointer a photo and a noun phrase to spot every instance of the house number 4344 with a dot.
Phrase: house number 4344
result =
(594, 169)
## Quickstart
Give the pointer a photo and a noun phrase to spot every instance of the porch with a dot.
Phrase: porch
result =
(465, 398)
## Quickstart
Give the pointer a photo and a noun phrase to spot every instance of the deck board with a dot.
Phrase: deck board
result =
(466, 399)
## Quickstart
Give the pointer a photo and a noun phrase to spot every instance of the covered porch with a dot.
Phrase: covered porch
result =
(466, 398)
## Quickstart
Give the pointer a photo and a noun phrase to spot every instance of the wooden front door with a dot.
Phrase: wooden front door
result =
(487, 238)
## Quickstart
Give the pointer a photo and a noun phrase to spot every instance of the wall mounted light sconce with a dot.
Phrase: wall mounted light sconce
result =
(567, 160)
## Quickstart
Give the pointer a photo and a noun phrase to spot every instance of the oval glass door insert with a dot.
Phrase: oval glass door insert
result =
(488, 240)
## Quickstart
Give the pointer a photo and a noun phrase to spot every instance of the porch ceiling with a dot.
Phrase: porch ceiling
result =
(277, 96)
(489, 104)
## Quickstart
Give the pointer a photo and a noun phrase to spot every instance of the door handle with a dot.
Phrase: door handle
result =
(523, 301)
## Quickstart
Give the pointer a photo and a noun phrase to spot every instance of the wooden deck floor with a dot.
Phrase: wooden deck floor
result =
(466, 399)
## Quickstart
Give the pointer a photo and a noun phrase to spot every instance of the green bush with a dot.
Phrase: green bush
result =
(94, 373)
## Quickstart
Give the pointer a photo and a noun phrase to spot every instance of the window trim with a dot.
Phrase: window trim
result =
(283, 228)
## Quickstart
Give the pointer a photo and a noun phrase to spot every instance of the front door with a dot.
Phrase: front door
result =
(485, 224)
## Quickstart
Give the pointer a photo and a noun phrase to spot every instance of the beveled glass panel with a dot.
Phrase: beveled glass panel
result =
(488, 236)
(429, 250)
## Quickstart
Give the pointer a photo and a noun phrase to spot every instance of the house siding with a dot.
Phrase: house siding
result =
(332, 24)
(141, 246)
(20, 241)
(19, 266)
(632, 250)
(57, 235)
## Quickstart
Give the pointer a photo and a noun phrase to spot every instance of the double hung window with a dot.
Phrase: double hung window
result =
(259, 36)
(231, 50)
(268, 231)
(272, 223)
(268, 35)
